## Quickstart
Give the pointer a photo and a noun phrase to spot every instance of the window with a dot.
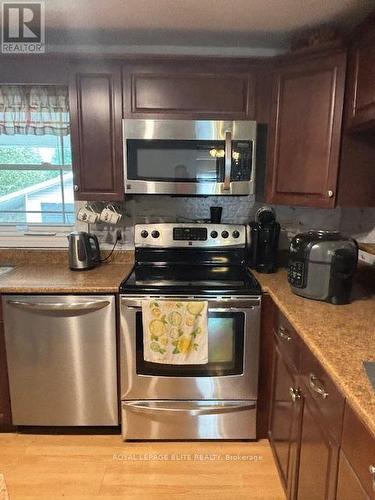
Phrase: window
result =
(36, 181)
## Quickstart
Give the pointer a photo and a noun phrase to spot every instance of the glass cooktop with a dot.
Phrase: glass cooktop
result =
(191, 279)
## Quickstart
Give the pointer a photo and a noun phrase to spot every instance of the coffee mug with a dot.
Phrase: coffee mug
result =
(109, 215)
(87, 214)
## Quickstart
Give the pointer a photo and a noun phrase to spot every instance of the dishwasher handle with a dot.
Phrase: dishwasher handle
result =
(88, 306)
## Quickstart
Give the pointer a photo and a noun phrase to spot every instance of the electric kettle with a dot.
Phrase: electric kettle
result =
(84, 251)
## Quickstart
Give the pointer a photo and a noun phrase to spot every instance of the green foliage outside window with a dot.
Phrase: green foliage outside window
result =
(14, 180)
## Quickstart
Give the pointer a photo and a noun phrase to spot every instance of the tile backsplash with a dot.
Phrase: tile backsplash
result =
(359, 223)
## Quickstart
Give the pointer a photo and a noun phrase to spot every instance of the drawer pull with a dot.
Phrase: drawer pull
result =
(372, 472)
(295, 394)
(283, 334)
(317, 386)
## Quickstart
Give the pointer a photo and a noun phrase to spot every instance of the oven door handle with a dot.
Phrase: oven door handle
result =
(215, 304)
(210, 309)
(145, 407)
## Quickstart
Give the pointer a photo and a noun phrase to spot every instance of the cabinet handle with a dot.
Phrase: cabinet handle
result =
(317, 386)
(372, 472)
(75, 187)
(295, 394)
(283, 334)
(330, 193)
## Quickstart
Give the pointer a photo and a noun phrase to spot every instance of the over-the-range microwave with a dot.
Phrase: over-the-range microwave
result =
(189, 157)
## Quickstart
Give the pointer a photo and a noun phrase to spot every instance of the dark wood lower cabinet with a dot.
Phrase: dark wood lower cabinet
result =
(5, 413)
(358, 448)
(321, 448)
(348, 486)
(286, 408)
(318, 456)
(268, 319)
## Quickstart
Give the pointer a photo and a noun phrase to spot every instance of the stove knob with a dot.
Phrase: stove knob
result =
(144, 234)
(225, 234)
(214, 234)
(236, 234)
(155, 234)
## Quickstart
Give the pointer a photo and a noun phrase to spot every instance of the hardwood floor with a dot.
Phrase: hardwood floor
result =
(75, 467)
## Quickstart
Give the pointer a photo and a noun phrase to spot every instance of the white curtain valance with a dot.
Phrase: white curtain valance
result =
(34, 110)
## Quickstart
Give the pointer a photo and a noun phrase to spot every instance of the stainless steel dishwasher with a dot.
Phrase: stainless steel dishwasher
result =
(61, 353)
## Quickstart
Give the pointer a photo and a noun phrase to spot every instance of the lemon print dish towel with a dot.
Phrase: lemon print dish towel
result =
(175, 332)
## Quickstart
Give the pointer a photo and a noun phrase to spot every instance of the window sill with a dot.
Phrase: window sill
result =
(15, 239)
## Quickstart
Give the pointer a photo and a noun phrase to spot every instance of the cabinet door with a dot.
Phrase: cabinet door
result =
(348, 484)
(358, 445)
(318, 456)
(96, 122)
(268, 321)
(285, 422)
(361, 80)
(185, 89)
(305, 131)
(5, 414)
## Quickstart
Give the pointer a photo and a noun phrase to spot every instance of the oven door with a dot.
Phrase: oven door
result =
(189, 157)
(233, 352)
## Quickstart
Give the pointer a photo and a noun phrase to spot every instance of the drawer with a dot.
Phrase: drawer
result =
(329, 400)
(165, 419)
(288, 341)
(358, 445)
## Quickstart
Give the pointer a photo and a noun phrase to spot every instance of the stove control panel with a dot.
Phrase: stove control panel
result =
(172, 235)
(189, 233)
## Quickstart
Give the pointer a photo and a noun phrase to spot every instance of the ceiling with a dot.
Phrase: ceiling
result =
(248, 27)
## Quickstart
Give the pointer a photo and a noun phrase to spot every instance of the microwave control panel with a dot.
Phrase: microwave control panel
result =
(241, 161)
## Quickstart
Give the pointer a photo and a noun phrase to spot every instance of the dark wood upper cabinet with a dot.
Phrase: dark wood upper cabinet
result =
(189, 89)
(5, 412)
(361, 78)
(305, 131)
(96, 123)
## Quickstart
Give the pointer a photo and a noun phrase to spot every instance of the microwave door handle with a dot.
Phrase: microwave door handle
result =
(228, 160)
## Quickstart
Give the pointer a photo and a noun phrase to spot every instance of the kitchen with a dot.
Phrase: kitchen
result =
(187, 240)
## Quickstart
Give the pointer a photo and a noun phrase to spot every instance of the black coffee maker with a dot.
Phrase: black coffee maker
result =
(263, 241)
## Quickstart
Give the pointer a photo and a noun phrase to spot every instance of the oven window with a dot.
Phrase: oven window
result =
(225, 349)
(171, 160)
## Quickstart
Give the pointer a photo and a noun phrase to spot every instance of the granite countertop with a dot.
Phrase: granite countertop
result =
(341, 337)
(48, 272)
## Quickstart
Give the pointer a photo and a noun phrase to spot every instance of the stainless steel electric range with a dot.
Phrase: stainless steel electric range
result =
(216, 400)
